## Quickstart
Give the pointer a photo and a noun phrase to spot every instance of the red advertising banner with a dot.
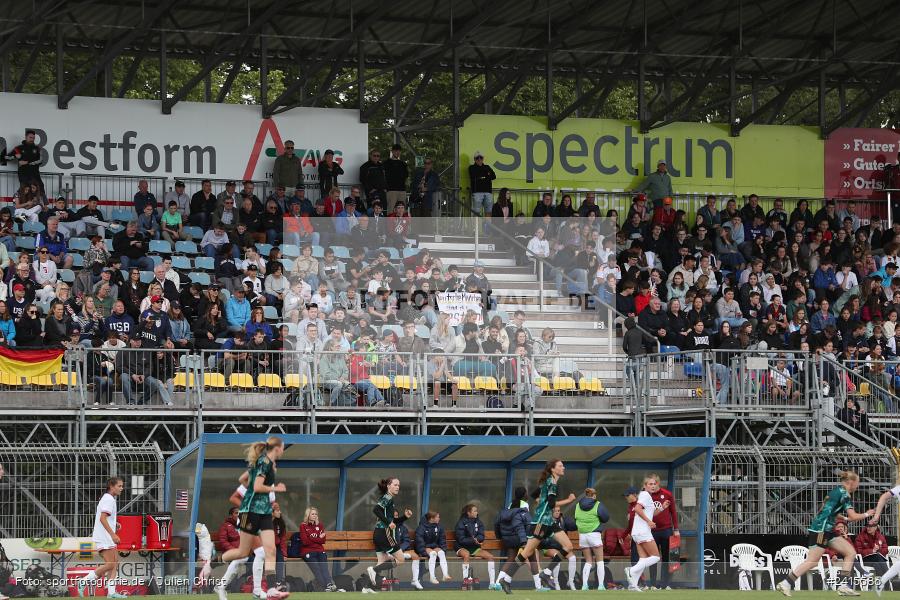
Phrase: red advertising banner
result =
(855, 160)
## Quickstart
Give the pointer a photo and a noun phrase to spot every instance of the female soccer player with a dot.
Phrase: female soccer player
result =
(387, 548)
(255, 514)
(589, 514)
(512, 527)
(821, 535)
(542, 523)
(259, 554)
(105, 540)
(469, 538)
(642, 536)
(892, 572)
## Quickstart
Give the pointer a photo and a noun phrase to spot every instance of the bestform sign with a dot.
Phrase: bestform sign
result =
(220, 141)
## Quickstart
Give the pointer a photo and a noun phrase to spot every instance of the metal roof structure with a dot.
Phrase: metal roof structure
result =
(335, 46)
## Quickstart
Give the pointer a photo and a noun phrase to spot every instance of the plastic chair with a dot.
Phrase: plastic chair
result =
(186, 248)
(748, 560)
(288, 265)
(77, 260)
(290, 250)
(67, 275)
(79, 243)
(795, 555)
(563, 384)
(487, 383)
(591, 385)
(241, 380)
(407, 252)
(108, 244)
(380, 381)
(318, 252)
(182, 380)
(405, 382)
(463, 384)
(264, 249)
(341, 251)
(200, 278)
(296, 380)
(182, 263)
(123, 215)
(269, 380)
(30, 227)
(205, 263)
(147, 277)
(214, 380)
(270, 313)
(543, 383)
(160, 246)
(195, 232)
(26, 242)
(693, 370)
(422, 331)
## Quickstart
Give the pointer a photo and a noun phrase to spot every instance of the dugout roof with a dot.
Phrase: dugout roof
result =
(779, 45)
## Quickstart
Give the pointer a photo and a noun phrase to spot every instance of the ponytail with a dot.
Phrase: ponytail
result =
(546, 471)
(466, 509)
(590, 492)
(384, 483)
(257, 449)
(113, 482)
(848, 475)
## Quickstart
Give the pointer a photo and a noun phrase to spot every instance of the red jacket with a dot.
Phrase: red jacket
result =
(332, 206)
(871, 544)
(664, 218)
(669, 517)
(631, 506)
(280, 536)
(312, 538)
(229, 537)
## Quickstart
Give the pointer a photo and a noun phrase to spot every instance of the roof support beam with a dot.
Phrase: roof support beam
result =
(359, 453)
(442, 455)
(37, 19)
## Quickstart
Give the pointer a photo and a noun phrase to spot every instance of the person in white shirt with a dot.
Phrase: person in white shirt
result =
(105, 540)
(642, 535)
(44, 276)
(259, 556)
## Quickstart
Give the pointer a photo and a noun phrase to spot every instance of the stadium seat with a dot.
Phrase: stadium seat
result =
(288, 265)
(504, 316)
(292, 328)
(264, 249)
(67, 378)
(591, 385)
(269, 380)
(123, 215)
(463, 384)
(146, 277)
(67, 275)
(270, 313)
(195, 232)
(669, 349)
(29, 227)
(693, 369)
(407, 252)
(487, 383)
(393, 253)
(41, 380)
(156, 258)
(318, 252)
(380, 381)
(160, 246)
(200, 278)
(182, 380)
(25, 242)
(563, 384)
(79, 243)
(422, 331)
(186, 248)
(241, 380)
(405, 382)
(341, 251)
(295, 380)
(108, 243)
(77, 260)
(181, 263)
(214, 380)
(205, 263)
(543, 383)
(290, 250)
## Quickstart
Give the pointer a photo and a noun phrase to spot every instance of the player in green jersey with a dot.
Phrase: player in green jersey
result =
(255, 512)
(821, 536)
(387, 545)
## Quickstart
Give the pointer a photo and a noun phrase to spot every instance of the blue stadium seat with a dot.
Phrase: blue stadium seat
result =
(160, 246)
(79, 243)
(290, 250)
(669, 349)
(693, 369)
(270, 313)
(341, 251)
(146, 277)
(181, 263)
(156, 258)
(264, 249)
(288, 265)
(195, 232)
(318, 252)
(407, 252)
(123, 215)
(67, 275)
(25, 242)
(205, 263)
(186, 248)
(108, 244)
(201, 278)
(77, 260)
(393, 253)
(29, 227)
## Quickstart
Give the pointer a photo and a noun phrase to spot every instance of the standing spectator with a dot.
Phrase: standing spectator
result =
(182, 201)
(203, 204)
(481, 177)
(286, 172)
(666, 519)
(396, 173)
(425, 184)
(228, 536)
(372, 178)
(247, 193)
(658, 184)
(328, 173)
(28, 159)
(143, 197)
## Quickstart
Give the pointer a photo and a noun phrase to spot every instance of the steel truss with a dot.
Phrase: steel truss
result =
(686, 59)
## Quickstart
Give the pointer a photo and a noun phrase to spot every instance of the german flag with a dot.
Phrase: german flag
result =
(30, 363)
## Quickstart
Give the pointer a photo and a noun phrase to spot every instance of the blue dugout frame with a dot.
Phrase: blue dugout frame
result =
(318, 452)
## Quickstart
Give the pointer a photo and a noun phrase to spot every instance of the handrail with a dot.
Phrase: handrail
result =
(541, 261)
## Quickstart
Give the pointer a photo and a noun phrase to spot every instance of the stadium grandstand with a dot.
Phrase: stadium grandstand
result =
(449, 250)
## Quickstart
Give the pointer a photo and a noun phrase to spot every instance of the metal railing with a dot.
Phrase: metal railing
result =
(9, 185)
(113, 191)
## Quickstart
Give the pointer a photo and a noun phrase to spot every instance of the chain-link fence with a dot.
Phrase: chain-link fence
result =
(52, 491)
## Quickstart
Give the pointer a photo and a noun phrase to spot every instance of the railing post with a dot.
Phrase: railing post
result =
(540, 269)
(477, 228)
(195, 381)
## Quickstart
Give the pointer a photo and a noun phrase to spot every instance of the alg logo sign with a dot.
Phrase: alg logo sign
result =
(268, 128)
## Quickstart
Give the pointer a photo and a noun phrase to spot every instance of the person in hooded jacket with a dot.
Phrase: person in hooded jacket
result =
(431, 541)
(511, 527)
(469, 538)
(590, 514)
(409, 553)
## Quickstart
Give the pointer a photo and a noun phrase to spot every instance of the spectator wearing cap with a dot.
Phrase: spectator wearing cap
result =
(347, 219)
(299, 198)
(658, 185)
(180, 198)
(52, 239)
(664, 215)
(286, 173)
(161, 328)
(329, 171)
(230, 192)
(372, 177)
(237, 310)
(143, 197)
(396, 173)
(481, 178)
(426, 183)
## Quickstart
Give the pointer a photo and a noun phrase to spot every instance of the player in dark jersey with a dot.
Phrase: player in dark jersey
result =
(255, 512)
(511, 527)
(894, 569)
(822, 536)
(387, 547)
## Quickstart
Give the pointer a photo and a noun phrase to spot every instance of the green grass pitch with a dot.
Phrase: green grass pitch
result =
(523, 594)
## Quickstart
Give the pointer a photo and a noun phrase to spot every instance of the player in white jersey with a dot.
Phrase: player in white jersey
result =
(259, 556)
(892, 572)
(105, 540)
(642, 535)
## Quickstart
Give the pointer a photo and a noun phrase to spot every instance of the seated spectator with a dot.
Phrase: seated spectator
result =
(214, 240)
(822, 318)
(237, 310)
(132, 247)
(234, 355)
(473, 362)
(334, 373)
(228, 536)
(54, 241)
(209, 328)
(172, 226)
(360, 364)
(872, 546)
(148, 223)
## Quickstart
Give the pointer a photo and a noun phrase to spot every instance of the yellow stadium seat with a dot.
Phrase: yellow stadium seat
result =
(864, 389)
(563, 384)
(295, 380)
(215, 380)
(486, 383)
(503, 384)
(241, 380)
(405, 382)
(41, 380)
(463, 384)
(380, 381)
(591, 385)
(10, 379)
(67, 378)
(269, 380)
(543, 383)
(183, 381)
